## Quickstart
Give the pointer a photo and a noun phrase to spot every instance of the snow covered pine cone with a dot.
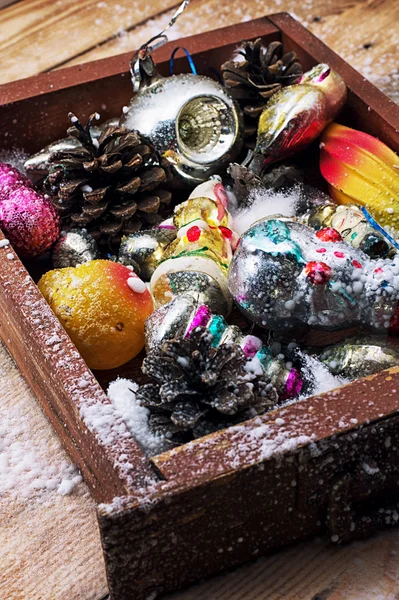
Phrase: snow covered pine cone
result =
(200, 389)
(262, 72)
(111, 186)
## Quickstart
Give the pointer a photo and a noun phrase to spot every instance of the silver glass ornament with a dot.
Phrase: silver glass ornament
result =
(191, 119)
(74, 248)
(282, 277)
(183, 315)
(144, 249)
(168, 321)
(353, 359)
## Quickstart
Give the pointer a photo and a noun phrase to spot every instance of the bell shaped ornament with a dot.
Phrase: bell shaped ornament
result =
(191, 119)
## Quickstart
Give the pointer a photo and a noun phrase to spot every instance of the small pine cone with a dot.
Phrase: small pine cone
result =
(262, 72)
(112, 186)
(198, 389)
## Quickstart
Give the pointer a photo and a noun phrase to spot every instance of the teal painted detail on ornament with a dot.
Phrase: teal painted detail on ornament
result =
(217, 327)
(278, 234)
(342, 292)
(277, 231)
(354, 235)
(265, 356)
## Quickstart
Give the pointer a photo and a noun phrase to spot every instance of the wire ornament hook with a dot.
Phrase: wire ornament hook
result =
(139, 59)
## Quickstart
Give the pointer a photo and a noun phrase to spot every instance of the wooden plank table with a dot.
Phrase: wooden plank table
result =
(49, 543)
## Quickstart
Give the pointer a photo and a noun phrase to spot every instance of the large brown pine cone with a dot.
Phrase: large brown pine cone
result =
(255, 74)
(111, 186)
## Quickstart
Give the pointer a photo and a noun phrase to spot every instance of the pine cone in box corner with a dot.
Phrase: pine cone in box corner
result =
(111, 186)
(199, 389)
(255, 75)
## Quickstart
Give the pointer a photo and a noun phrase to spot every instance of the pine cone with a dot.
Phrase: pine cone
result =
(262, 73)
(199, 388)
(109, 186)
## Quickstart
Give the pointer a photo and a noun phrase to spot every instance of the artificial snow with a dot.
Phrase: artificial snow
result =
(316, 372)
(4, 243)
(122, 393)
(265, 203)
(137, 285)
(24, 468)
(260, 438)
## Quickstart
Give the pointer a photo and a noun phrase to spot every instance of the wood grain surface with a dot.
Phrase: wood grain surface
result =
(52, 551)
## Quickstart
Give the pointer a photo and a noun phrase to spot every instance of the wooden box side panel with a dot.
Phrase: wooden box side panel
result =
(299, 424)
(184, 533)
(197, 528)
(68, 392)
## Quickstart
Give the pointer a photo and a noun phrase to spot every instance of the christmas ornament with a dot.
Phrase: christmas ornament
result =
(110, 185)
(349, 223)
(144, 249)
(296, 115)
(361, 169)
(196, 263)
(11, 178)
(256, 73)
(359, 358)
(191, 119)
(28, 220)
(74, 248)
(199, 388)
(183, 315)
(102, 305)
(283, 276)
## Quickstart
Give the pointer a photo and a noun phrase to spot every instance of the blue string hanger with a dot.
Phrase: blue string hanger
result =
(142, 67)
(189, 58)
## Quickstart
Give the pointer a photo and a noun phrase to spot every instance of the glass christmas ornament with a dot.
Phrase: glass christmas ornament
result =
(361, 169)
(283, 276)
(196, 262)
(296, 115)
(74, 248)
(191, 119)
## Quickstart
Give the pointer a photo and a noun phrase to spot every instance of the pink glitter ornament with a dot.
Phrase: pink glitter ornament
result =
(29, 221)
(10, 178)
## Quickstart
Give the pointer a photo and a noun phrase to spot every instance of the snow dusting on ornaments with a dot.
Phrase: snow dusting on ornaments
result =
(27, 218)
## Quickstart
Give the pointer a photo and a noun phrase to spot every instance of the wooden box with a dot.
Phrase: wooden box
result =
(327, 464)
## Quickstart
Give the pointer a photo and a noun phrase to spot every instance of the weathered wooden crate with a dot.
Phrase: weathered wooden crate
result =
(327, 464)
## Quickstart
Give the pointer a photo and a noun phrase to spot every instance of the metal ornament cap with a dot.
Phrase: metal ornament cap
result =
(191, 120)
(74, 248)
(144, 250)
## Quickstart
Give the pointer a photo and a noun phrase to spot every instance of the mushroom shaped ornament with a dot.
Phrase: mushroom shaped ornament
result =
(285, 275)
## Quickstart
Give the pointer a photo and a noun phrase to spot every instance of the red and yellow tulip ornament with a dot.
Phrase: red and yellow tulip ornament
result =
(361, 169)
